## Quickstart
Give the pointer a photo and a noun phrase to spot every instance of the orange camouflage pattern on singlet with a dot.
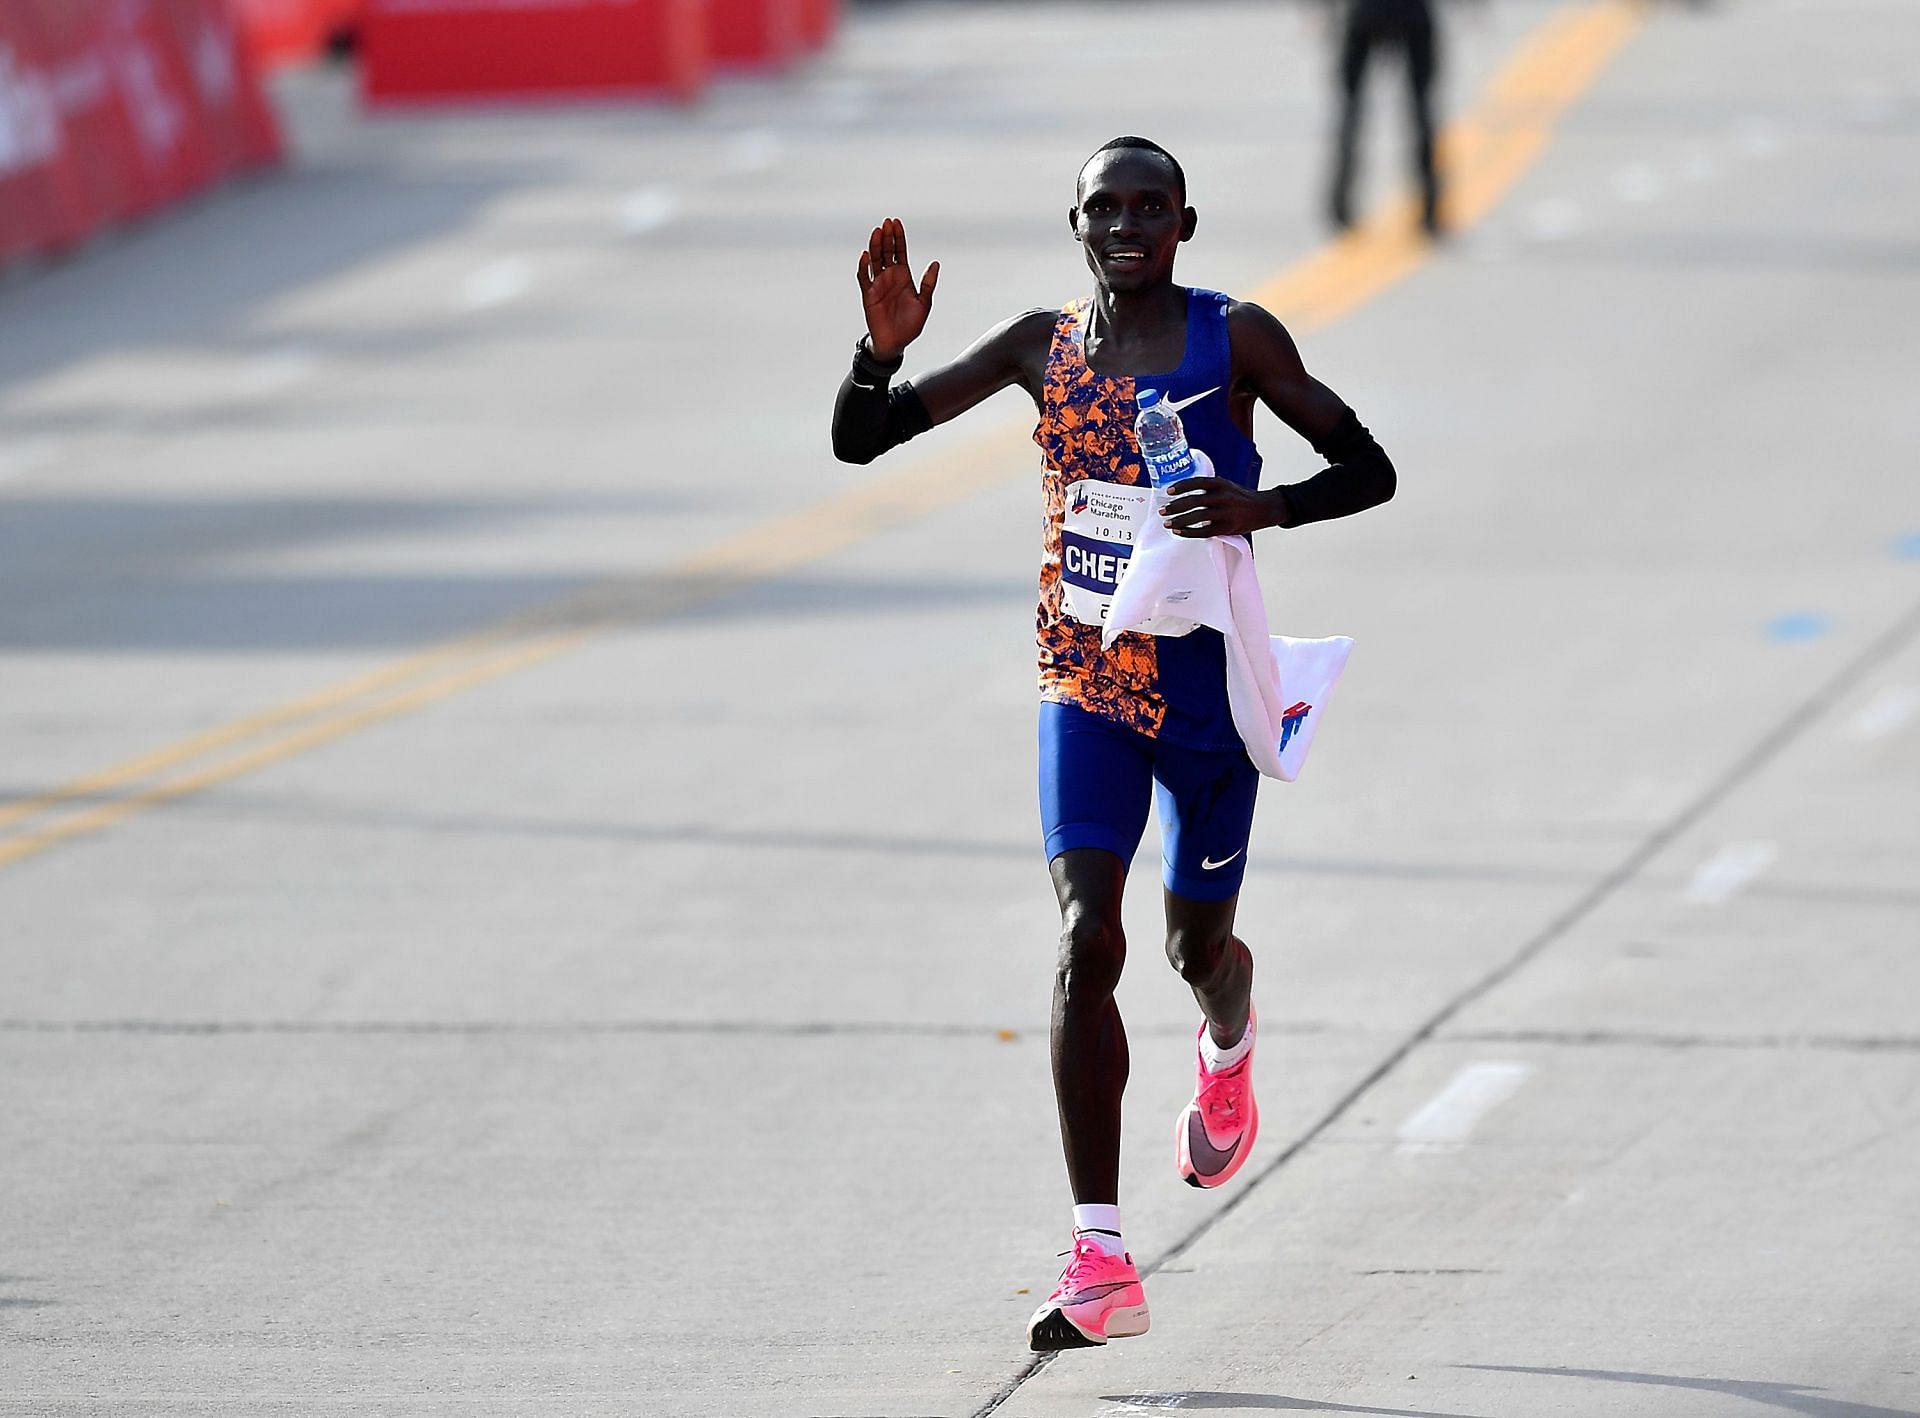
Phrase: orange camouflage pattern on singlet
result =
(1085, 431)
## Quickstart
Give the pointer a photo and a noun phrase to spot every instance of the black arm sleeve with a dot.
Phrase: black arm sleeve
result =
(869, 418)
(1361, 476)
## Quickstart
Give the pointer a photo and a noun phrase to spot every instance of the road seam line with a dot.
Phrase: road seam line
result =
(832, 1029)
(1652, 1039)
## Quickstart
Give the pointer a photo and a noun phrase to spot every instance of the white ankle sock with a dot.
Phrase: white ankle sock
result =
(1100, 1224)
(1217, 1058)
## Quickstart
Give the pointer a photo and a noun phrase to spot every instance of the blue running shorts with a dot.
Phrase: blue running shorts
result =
(1097, 778)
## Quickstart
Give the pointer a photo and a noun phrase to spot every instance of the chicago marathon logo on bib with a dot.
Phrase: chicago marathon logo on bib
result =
(1097, 537)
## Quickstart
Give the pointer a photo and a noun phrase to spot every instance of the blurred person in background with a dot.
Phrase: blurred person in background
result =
(1407, 26)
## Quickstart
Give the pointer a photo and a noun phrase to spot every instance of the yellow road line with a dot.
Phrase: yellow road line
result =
(146, 765)
(1485, 152)
(325, 731)
(1511, 128)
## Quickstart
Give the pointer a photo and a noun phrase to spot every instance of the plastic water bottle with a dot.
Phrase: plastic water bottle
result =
(1163, 443)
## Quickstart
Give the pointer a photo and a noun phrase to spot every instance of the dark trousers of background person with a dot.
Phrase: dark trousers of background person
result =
(1405, 25)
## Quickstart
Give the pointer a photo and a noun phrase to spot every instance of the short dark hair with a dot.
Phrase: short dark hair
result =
(1145, 145)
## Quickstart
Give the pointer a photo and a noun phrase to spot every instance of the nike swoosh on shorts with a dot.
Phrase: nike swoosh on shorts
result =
(1209, 864)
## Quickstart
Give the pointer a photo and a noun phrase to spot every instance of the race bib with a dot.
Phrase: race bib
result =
(1097, 537)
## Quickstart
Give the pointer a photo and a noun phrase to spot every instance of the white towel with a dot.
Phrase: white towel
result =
(1277, 686)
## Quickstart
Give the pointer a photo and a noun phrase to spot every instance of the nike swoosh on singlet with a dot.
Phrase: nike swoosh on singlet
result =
(1209, 864)
(1173, 406)
(1208, 1160)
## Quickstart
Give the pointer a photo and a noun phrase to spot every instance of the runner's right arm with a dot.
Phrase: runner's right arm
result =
(868, 416)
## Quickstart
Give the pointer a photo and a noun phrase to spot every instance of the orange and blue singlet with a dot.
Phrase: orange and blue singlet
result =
(1147, 716)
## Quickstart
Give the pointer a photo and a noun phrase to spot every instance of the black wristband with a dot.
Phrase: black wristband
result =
(869, 370)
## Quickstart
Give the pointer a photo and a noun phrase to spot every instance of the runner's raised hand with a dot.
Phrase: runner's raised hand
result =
(896, 308)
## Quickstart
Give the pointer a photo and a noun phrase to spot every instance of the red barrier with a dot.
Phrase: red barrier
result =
(39, 207)
(818, 20)
(280, 30)
(466, 49)
(116, 106)
(754, 34)
(230, 118)
(288, 31)
(94, 65)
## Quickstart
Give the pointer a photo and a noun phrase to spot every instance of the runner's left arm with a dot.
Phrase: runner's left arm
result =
(1359, 475)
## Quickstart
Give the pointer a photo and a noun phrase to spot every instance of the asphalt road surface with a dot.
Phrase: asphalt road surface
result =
(519, 881)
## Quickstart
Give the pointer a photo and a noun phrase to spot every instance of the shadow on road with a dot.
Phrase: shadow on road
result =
(223, 255)
(264, 808)
(1271, 1402)
(1794, 1398)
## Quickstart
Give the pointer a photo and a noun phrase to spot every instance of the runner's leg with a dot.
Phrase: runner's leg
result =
(1090, 1059)
(1215, 1133)
(1206, 803)
(1214, 962)
(1096, 785)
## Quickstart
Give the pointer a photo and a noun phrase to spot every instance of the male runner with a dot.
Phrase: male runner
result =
(1147, 719)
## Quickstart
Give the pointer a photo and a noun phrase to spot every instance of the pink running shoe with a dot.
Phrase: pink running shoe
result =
(1216, 1130)
(1099, 1297)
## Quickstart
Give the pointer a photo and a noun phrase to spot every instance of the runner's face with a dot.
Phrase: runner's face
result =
(1130, 218)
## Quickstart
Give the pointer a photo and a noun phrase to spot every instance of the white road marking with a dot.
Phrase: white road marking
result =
(1755, 137)
(1873, 106)
(1448, 1119)
(755, 150)
(1700, 167)
(646, 209)
(1637, 183)
(26, 456)
(845, 100)
(1886, 713)
(1723, 874)
(496, 283)
(1552, 219)
(276, 370)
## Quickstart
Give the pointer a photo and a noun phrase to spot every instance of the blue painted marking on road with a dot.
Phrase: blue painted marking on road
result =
(1907, 547)
(1797, 626)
